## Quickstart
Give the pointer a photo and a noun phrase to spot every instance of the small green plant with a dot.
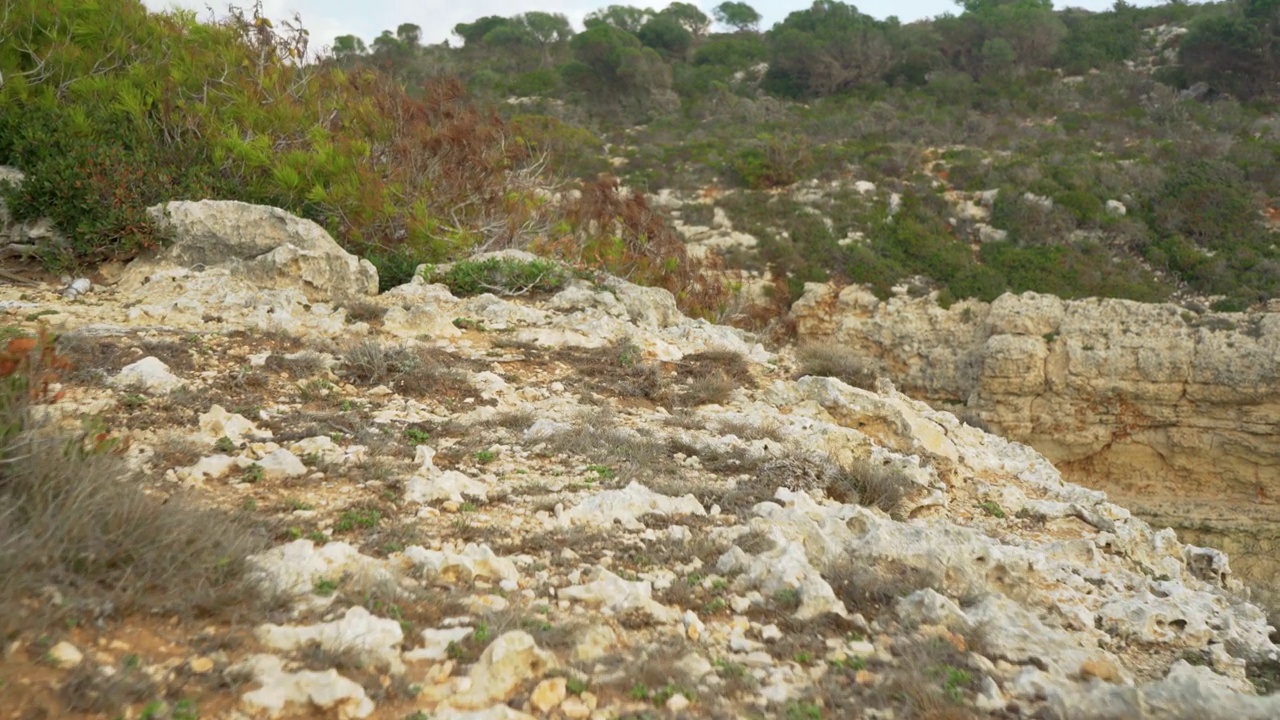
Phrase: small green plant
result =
(253, 474)
(133, 401)
(787, 598)
(851, 662)
(715, 606)
(362, 518)
(249, 504)
(802, 710)
(481, 634)
(729, 669)
(603, 472)
(318, 537)
(467, 507)
(992, 509)
(501, 276)
(469, 324)
(295, 504)
(484, 456)
(575, 686)
(803, 657)
(324, 587)
(224, 445)
(416, 436)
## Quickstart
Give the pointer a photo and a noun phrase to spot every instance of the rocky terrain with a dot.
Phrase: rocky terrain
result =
(1171, 409)
(568, 500)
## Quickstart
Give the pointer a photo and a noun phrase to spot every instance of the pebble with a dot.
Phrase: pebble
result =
(548, 694)
(65, 656)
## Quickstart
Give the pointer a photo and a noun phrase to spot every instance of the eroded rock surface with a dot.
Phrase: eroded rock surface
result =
(539, 522)
(1174, 413)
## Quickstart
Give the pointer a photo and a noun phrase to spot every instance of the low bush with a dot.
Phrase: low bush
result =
(79, 538)
(501, 276)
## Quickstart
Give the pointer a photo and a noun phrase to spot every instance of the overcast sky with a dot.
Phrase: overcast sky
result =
(327, 19)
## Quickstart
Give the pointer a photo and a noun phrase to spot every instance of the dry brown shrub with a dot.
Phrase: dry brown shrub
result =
(832, 360)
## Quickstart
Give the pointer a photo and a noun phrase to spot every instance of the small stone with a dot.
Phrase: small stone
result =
(200, 665)
(865, 678)
(575, 709)
(677, 703)
(548, 694)
(65, 656)
(1102, 668)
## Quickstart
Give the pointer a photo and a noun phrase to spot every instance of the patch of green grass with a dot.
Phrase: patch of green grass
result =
(350, 520)
(992, 509)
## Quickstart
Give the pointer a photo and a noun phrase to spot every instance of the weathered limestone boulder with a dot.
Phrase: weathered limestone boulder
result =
(1173, 413)
(261, 245)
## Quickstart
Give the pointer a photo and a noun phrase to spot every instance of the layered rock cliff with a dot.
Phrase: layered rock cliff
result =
(1174, 413)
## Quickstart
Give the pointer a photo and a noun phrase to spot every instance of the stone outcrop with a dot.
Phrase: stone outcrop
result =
(1174, 413)
(259, 245)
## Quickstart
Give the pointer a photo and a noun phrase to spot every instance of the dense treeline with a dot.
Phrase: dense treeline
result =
(629, 58)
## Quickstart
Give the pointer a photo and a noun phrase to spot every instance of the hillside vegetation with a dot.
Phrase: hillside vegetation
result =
(1129, 153)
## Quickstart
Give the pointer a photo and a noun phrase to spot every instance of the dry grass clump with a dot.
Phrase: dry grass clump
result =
(407, 370)
(74, 523)
(873, 589)
(710, 377)
(93, 688)
(827, 359)
(364, 311)
(619, 370)
(80, 539)
(865, 483)
(931, 682)
(626, 454)
(299, 366)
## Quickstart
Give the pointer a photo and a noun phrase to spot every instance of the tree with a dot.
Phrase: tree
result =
(689, 17)
(623, 17)
(1238, 51)
(612, 66)
(1029, 27)
(473, 33)
(737, 15)
(546, 29)
(666, 35)
(348, 47)
(827, 49)
(409, 35)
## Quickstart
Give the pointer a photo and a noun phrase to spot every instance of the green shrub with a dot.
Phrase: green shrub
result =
(500, 275)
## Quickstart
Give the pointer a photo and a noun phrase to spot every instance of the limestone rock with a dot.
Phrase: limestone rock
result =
(148, 374)
(444, 485)
(474, 562)
(279, 689)
(627, 505)
(614, 595)
(1173, 412)
(294, 568)
(65, 656)
(366, 639)
(506, 664)
(261, 245)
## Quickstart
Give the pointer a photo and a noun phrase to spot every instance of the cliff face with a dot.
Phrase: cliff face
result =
(1175, 414)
